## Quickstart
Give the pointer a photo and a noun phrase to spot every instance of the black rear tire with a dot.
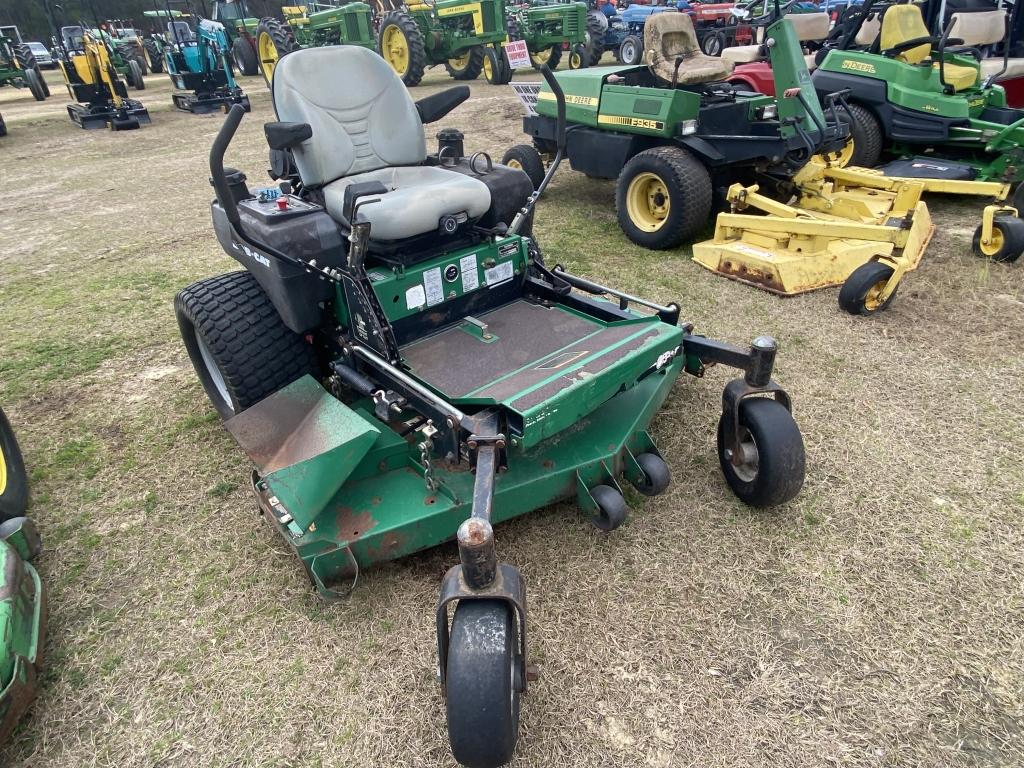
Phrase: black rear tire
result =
(281, 38)
(776, 473)
(858, 296)
(866, 134)
(1009, 243)
(244, 56)
(240, 348)
(471, 69)
(528, 160)
(685, 188)
(417, 51)
(13, 478)
(156, 61)
(554, 56)
(481, 684)
(597, 28)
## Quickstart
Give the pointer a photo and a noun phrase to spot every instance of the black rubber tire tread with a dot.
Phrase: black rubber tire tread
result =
(473, 67)
(866, 134)
(612, 509)
(530, 160)
(656, 473)
(282, 36)
(414, 39)
(27, 60)
(1017, 199)
(553, 58)
(501, 74)
(781, 456)
(597, 27)
(3, 126)
(1013, 240)
(255, 352)
(156, 61)
(35, 84)
(135, 76)
(860, 281)
(244, 56)
(638, 47)
(482, 703)
(14, 500)
(689, 189)
(713, 43)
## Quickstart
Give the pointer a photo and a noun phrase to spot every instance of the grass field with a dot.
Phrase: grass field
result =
(877, 620)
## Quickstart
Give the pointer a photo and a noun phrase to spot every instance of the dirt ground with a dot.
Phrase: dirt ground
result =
(877, 620)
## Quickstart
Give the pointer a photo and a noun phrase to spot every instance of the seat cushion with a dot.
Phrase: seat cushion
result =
(961, 78)
(901, 24)
(418, 197)
(669, 37)
(1014, 68)
(743, 54)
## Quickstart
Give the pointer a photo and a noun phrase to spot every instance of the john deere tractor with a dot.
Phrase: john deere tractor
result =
(129, 44)
(18, 67)
(455, 33)
(549, 29)
(310, 26)
(241, 28)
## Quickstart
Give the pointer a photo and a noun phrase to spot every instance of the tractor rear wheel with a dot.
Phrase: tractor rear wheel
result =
(273, 40)
(496, 68)
(238, 344)
(550, 56)
(13, 478)
(631, 50)
(244, 56)
(528, 160)
(156, 61)
(864, 149)
(860, 294)
(467, 66)
(597, 27)
(401, 45)
(663, 197)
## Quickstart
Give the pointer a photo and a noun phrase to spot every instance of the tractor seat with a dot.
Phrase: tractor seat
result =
(904, 22)
(368, 130)
(981, 28)
(669, 37)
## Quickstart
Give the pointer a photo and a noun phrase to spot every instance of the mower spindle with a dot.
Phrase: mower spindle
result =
(762, 361)
(477, 552)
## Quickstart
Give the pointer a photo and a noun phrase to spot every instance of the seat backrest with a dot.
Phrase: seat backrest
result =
(868, 32)
(362, 116)
(180, 32)
(901, 23)
(670, 35)
(810, 26)
(979, 27)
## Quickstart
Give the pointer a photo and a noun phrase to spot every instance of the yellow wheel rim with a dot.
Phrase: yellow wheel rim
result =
(872, 299)
(459, 62)
(3, 472)
(541, 57)
(575, 61)
(395, 49)
(268, 55)
(647, 202)
(842, 158)
(514, 164)
(488, 69)
(995, 245)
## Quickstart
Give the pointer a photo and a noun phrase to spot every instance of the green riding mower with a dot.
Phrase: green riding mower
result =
(455, 33)
(310, 26)
(925, 101)
(549, 29)
(403, 368)
(18, 68)
(22, 598)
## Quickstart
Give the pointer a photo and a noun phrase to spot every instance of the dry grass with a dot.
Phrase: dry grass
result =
(875, 621)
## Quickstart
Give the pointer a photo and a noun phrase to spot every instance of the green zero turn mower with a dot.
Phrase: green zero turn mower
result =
(676, 135)
(925, 100)
(403, 368)
(22, 599)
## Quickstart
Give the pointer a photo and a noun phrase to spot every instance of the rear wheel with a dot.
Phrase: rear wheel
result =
(528, 160)
(468, 65)
(1006, 243)
(274, 39)
(550, 56)
(597, 28)
(766, 467)
(244, 56)
(861, 294)
(864, 148)
(13, 478)
(401, 45)
(240, 348)
(631, 50)
(35, 84)
(663, 197)
(156, 60)
(26, 61)
(482, 683)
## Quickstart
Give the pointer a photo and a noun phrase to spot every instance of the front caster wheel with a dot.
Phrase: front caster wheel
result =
(656, 474)
(611, 508)
(862, 291)
(482, 684)
(1006, 243)
(766, 467)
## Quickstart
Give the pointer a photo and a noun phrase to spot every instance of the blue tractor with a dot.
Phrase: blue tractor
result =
(199, 64)
(625, 35)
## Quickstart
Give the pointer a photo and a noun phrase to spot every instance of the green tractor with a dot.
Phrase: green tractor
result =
(241, 29)
(924, 100)
(455, 33)
(404, 368)
(548, 28)
(675, 135)
(311, 26)
(130, 44)
(123, 59)
(22, 598)
(18, 67)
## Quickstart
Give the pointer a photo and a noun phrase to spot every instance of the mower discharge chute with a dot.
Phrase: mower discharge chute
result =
(198, 63)
(410, 370)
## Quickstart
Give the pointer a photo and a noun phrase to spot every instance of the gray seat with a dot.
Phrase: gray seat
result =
(366, 128)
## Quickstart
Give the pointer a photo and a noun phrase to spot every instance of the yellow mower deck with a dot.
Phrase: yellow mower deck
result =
(835, 226)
